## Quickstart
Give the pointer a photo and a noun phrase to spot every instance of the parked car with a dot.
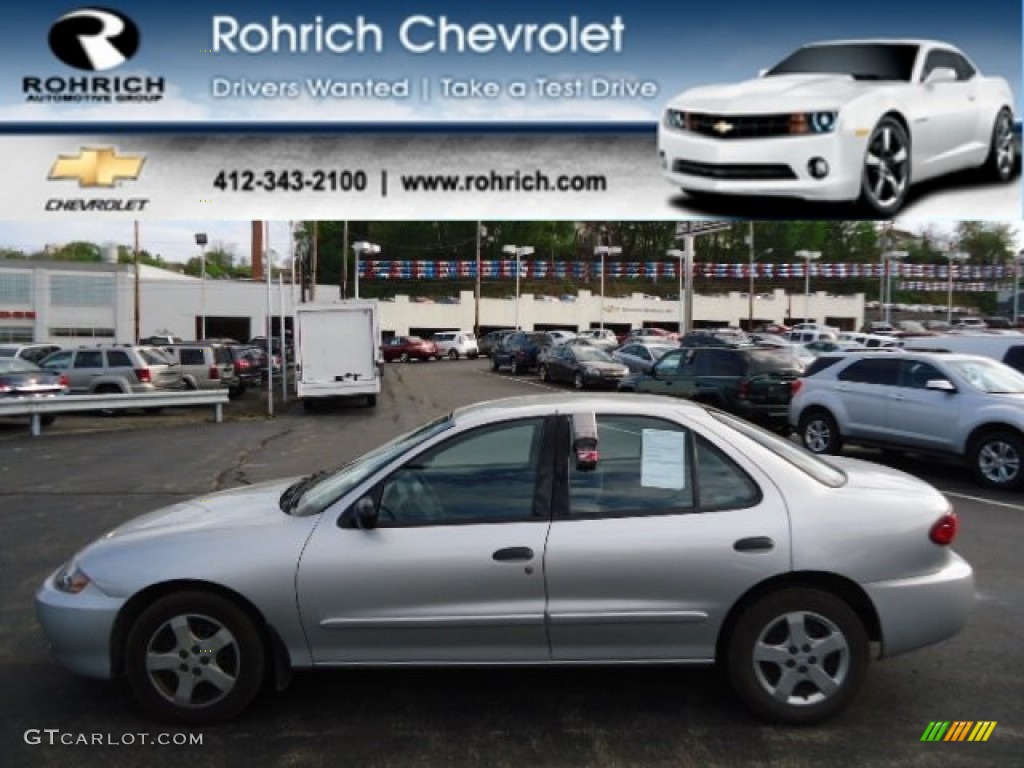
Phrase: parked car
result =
(559, 336)
(1008, 349)
(406, 348)
(489, 340)
(640, 356)
(786, 132)
(456, 344)
(970, 324)
(21, 379)
(120, 369)
(604, 337)
(585, 367)
(752, 382)
(671, 533)
(964, 406)
(715, 337)
(32, 353)
(520, 351)
(160, 340)
(206, 365)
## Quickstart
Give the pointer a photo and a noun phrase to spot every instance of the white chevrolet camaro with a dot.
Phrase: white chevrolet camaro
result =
(842, 121)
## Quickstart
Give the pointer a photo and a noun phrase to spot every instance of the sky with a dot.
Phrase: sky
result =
(676, 46)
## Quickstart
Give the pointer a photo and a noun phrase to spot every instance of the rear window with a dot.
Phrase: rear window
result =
(118, 358)
(821, 363)
(153, 357)
(771, 360)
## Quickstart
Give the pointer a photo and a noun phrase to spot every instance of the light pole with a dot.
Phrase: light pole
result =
(366, 248)
(201, 241)
(889, 257)
(808, 257)
(1016, 286)
(676, 253)
(481, 234)
(952, 256)
(602, 251)
(750, 294)
(519, 251)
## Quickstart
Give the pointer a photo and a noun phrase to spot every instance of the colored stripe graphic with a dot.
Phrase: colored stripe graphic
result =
(958, 731)
(982, 730)
(935, 730)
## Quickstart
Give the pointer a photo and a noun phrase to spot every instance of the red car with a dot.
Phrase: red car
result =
(406, 348)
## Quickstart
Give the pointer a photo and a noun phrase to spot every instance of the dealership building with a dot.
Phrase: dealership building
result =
(73, 303)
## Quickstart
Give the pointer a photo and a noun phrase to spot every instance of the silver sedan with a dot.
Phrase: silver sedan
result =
(544, 530)
(640, 356)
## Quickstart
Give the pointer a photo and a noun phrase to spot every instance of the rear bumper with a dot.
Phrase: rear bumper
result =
(925, 609)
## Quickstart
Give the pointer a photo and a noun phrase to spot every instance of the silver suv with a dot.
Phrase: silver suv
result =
(960, 405)
(205, 365)
(456, 344)
(115, 369)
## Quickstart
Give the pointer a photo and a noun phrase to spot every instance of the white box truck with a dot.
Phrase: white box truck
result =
(337, 351)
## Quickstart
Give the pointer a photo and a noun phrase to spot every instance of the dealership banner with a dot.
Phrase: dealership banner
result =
(313, 109)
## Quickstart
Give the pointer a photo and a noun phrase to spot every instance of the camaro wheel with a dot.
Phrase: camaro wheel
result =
(885, 180)
(997, 460)
(194, 657)
(798, 656)
(1002, 153)
(819, 433)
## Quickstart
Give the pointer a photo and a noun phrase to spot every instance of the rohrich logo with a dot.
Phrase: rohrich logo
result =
(94, 39)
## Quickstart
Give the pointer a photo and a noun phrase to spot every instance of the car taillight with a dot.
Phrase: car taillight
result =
(64, 381)
(214, 372)
(944, 530)
(143, 375)
(794, 386)
(241, 365)
(743, 391)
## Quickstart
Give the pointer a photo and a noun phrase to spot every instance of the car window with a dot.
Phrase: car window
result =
(872, 371)
(644, 468)
(118, 358)
(222, 355)
(950, 60)
(1014, 357)
(669, 364)
(88, 358)
(721, 483)
(485, 475)
(58, 361)
(989, 376)
(718, 362)
(153, 357)
(915, 374)
(191, 357)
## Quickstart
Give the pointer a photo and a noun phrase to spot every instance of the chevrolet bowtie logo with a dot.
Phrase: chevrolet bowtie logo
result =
(97, 167)
(722, 127)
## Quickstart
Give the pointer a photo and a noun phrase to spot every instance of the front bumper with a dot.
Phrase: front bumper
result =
(925, 609)
(772, 166)
(79, 627)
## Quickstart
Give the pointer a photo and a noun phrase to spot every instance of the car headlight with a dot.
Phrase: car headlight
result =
(676, 119)
(813, 122)
(70, 578)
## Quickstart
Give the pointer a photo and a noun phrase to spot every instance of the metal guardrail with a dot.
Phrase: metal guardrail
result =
(36, 408)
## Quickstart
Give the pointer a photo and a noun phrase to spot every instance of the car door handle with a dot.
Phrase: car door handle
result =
(513, 554)
(754, 544)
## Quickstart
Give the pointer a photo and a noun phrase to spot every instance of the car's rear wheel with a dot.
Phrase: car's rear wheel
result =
(404, 357)
(194, 657)
(885, 178)
(453, 354)
(797, 656)
(997, 460)
(1002, 153)
(543, 373)
(819, 432)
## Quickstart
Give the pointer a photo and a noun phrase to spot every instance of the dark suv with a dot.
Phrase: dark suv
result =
(520, 351)
(752, 382)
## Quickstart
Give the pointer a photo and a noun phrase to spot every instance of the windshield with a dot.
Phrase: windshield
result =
(862, 61)
(592, 355)
(802, 459)
(333, 486)
(989, 376)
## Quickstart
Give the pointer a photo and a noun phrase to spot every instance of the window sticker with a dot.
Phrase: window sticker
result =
(663, 459)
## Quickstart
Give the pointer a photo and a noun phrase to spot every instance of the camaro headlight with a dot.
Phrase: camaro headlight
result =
(70, 578)
(813, 122)
(675, 118)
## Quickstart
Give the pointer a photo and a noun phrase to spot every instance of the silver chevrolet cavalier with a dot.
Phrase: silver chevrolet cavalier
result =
(554, 530)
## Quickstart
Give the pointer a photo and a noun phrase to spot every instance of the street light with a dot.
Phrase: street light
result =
(952, 256)
(750, 289)
(677, 253)
(518, 251)
(602, 251)
(1016, 286)
(201, 241)
(808, 257)
(366, 248)
(888, 257)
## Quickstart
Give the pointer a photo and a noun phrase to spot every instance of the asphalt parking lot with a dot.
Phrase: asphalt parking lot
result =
(88, 474)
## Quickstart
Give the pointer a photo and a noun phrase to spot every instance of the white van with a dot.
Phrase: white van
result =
(1006, 348)
(456, 344)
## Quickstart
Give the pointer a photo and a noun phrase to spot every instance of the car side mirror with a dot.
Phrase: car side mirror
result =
(941, 75)
(361, 515)
(940, 385)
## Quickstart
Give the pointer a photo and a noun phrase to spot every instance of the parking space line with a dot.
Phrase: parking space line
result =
(540, 384)
(983, 500)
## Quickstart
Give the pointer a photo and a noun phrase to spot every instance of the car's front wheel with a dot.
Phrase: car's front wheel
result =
(819, 432)
(885, 178)
(453, 354)
(1002, 153)
(997, 460)
(194, 657)
(797, 656)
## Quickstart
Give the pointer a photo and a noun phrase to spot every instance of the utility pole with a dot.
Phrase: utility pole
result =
(138, 291)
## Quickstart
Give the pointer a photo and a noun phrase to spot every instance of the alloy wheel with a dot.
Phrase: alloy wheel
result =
(193, 661)
(1003, 146)
(999, 462)
(887, 167)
